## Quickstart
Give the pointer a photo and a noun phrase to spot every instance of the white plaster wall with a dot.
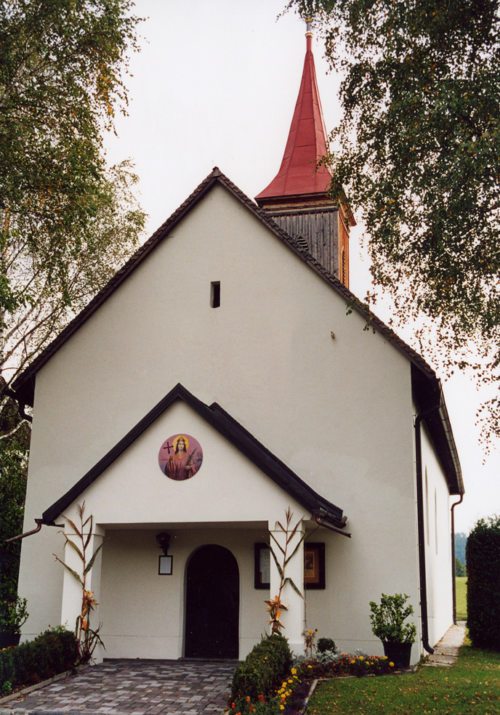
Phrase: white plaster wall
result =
(438, 554)
(227, 487)
(338, 412)
(143, 613)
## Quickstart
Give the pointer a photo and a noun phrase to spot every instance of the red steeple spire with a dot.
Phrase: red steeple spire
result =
(299, 173)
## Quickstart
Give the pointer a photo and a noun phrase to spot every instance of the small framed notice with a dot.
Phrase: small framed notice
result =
(165, 565)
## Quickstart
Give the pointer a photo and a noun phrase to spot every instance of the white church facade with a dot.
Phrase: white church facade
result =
(224, 375)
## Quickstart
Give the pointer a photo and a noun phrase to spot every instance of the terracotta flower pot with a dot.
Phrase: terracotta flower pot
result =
(399, 653)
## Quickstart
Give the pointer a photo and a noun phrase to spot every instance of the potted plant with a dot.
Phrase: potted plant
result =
(13, 615)
(388, 624)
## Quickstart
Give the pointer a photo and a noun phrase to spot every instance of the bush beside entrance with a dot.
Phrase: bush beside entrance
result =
(50, 653)
(263, 669)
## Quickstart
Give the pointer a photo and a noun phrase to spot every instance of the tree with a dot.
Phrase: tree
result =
(460, 546)
(13, 464)
(417, 154)
(459, 568)
(66, 219)
(483, 583)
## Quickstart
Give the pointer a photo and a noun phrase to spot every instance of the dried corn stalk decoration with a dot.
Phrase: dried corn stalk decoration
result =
(88, 637)
(282, 558)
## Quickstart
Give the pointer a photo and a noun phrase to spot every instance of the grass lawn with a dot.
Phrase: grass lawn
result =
(472, 685)
(461, 590)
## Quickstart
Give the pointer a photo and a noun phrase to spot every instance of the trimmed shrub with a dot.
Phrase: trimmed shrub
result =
(263, 669)
(483, 583)
(48, 654)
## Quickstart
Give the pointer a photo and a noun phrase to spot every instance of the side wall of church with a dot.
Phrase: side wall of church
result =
(336, 409)
(438, 554)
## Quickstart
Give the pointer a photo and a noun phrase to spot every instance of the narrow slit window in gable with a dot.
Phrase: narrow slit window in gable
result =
(215, 294)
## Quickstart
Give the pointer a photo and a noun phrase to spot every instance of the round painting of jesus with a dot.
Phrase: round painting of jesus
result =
(180, 457)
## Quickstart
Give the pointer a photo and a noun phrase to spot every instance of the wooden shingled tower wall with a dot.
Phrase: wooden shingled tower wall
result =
(297, 198)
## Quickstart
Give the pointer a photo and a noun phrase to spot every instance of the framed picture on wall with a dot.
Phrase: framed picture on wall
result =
(262, 566)
(314, 565)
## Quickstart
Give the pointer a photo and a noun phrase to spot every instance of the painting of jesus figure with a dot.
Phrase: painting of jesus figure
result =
(180, 457)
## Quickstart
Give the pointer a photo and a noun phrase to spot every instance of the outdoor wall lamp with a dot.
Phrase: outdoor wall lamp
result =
(165, 562)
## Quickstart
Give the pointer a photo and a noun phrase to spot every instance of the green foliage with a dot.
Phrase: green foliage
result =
(417, 153)
(13, 615)
(325, 644)
(461, 597)
(245, 705)
(459, 568)
(460, 546)
(263, 668)
(483, 583)
(470, 687)
(66, 220)
(6, 688)
(388, 619)
(50, 653)
(13, 470)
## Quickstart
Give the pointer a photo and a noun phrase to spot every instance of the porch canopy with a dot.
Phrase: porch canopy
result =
(191, 470)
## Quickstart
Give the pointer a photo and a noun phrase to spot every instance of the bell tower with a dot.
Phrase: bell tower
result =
(297, 198)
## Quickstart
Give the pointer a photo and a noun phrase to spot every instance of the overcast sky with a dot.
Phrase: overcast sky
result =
(215, 84)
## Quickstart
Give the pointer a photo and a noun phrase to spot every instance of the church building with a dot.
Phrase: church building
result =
(226, 375)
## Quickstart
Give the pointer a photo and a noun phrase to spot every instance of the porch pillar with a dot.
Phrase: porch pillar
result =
(72, 590)
(294, 617)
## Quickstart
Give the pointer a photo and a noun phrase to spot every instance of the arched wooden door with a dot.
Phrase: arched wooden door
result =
(212, 604)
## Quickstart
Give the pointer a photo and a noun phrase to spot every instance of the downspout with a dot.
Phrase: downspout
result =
(421, 536)
(320, 521)
(39, 524)
(453, 574)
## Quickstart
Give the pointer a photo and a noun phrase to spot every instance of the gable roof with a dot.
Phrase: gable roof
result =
(229, 428)
(428, 382)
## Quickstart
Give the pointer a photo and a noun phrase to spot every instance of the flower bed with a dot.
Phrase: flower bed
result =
(289, 697)
(347, 664)
(281, 700)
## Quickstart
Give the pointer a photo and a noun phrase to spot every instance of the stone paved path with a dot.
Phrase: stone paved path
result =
(134, 688)
(446, 651)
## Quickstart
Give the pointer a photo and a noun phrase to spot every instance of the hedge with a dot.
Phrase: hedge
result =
(263, 669)
(483, 583)
(50, 653)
